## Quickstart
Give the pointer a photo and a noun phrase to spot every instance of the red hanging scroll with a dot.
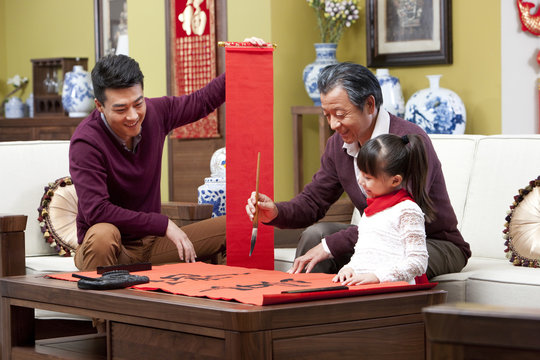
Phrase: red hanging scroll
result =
(249, 126)
(194, 59)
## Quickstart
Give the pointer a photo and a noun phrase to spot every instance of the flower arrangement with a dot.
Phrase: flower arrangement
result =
(19, 84)
(333, 16)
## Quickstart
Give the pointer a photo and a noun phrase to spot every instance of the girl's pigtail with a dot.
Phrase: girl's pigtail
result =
(417, 174)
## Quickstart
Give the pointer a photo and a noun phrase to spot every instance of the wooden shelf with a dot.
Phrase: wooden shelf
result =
(54, 127)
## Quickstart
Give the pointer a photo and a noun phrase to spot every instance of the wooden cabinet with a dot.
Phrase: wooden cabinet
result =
(41, 128)
(48, 75)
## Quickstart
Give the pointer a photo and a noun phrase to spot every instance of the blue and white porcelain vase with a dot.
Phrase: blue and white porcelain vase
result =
(437, 110)
(325, 55)
(77, 92)
(213, 189)
(14, 108)
(393, 100)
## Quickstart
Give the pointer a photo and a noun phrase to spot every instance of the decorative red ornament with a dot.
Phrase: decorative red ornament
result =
(529, 22)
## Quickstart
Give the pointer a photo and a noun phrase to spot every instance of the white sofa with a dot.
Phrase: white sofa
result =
(483, 174)
(28, 167)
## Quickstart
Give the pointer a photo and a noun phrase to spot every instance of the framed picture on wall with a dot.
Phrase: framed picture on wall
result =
(110, 27)
(408, 32)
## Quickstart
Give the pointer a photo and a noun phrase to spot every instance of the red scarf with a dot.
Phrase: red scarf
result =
(380, 203)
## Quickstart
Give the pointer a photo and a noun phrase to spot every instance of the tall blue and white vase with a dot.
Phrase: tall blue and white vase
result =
(14, 108)
(77, 92)
(437, 110)
(213, 189)
(393, 100)
(325, 54)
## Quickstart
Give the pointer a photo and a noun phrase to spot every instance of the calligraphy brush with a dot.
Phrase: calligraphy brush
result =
(256, 215)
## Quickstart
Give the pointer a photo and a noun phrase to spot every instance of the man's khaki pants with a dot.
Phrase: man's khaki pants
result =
(103, 246)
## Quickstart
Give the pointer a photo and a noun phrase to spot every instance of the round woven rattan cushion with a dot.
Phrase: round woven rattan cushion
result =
(522, 232)
(58, 214)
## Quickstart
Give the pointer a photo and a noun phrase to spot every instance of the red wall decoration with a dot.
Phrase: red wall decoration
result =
(194, 59)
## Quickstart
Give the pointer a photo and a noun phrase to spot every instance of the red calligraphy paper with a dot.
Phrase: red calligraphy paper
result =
(249, 126)
(249, 286)
(194, 59)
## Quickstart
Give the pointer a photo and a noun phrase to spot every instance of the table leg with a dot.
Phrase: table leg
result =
(248, 345)
(298, 153)
(17, 327)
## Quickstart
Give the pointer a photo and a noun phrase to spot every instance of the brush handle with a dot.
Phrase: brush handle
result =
(256, 215)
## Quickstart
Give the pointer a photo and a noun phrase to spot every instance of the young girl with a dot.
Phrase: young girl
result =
(391, 242)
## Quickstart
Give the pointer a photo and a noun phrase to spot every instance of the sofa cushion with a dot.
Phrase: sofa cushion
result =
(505, 286)
(492, 281)
(522, 232)
(57, 216)
(284, 258)
(31, 165)
(502, 165)
(37, 265)
(456, 154)
(456, 284)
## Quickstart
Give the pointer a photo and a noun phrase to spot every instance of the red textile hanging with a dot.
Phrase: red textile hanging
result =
(249, 130)
(194, 59)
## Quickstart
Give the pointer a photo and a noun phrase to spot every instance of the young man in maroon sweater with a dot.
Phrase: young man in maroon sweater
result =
(115, 163)
(351, 100)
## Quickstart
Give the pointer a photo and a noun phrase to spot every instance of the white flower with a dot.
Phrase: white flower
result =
(17, 81)
(334, 16)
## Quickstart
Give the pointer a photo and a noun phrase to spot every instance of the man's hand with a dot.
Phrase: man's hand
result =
(268, 210)
(183, 244)
(309, 260)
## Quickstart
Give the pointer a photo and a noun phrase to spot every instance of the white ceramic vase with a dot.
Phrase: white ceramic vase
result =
(77, 92)
(393, 100)
(14, 108)
(325, 55)
(213, 189)
(437, 110)
(30, 105)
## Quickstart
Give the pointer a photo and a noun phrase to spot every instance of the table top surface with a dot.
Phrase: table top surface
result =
(58, 295)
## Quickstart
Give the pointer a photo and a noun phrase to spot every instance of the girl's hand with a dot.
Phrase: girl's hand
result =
(343, 275)
(361, 279)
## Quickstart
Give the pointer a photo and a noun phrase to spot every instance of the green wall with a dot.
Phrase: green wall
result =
(146, 29)
(55, 28)
(474, 74)
(3, 75)
(36, 29)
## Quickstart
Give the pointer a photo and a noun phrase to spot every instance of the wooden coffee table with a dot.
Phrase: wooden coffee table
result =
(152, 325)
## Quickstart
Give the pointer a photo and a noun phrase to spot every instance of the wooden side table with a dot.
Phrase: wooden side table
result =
(478, 331)
(298, 113)
(12, 258)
